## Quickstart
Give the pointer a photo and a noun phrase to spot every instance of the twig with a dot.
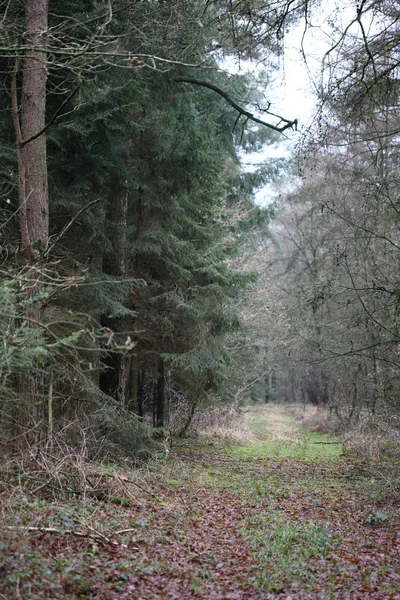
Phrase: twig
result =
(40, 487)
(326, 442)
(53, 118)
(122, 478)
(101, 535)
(67, 226)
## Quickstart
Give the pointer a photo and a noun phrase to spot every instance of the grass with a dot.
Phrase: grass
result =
(283, 549)
(279, 437)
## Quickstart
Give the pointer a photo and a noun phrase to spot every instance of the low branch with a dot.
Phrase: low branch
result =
(287, 124)
(53, 118)
(67, 226)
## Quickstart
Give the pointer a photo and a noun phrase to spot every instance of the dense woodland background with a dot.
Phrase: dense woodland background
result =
(139, 281)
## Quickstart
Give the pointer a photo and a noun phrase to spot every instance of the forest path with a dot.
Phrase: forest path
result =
(278, 515)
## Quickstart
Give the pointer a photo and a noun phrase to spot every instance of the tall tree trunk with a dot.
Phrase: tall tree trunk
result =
(29, 120)
(31, 139)
(160, 393)
(136, 382)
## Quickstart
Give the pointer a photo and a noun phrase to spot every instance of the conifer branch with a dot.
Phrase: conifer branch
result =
(288, 124)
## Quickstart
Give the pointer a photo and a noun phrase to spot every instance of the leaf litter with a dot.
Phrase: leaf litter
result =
(219, 525)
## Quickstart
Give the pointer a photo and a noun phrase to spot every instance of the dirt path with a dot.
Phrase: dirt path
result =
(281, 516)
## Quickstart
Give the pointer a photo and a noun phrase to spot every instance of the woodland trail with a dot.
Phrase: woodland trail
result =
(281, 515)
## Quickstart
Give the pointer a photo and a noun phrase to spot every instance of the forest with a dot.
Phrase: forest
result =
(159, 324)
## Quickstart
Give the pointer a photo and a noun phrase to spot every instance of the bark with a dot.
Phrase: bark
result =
(29, 119)
(160, 394)
(29, 116)
(34, 203)
(189, 420)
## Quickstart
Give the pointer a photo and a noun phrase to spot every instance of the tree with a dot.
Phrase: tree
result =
(133, 221)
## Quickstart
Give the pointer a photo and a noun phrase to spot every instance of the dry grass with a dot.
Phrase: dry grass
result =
(226, 421)
(281, 430)
(370, 436)
(379, 440)
(316, 419)
(223, 422)
(61, 472)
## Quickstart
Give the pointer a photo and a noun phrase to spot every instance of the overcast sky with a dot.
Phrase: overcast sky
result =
(294, 91)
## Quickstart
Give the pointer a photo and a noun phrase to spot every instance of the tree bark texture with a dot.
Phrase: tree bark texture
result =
(29, 118)
(34, 203)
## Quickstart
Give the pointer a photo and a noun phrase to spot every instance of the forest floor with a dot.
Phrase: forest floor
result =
(281, 514)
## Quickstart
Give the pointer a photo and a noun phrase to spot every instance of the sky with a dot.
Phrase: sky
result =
(292, 97)
(293, 94)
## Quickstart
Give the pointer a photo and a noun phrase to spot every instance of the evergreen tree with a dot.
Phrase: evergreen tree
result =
(141, 162)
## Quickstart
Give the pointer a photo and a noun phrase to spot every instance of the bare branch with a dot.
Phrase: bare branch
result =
(287, 123)
(53, 118)
(67, 226)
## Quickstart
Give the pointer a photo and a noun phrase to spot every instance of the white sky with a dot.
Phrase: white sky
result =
(293, 94)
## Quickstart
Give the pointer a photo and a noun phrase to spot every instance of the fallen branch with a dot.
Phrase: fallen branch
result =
(122, 531)
(96, 535)
(326, 442)
(126, 480)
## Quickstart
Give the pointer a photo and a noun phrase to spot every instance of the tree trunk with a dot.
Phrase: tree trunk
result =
(267, 393)
(140, 393)
(160, 394)
(136, 381)
(34, 203)
(273, 384)
(132, 385)
(29, 120)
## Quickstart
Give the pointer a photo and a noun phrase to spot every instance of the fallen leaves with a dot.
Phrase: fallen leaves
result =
(233, 529)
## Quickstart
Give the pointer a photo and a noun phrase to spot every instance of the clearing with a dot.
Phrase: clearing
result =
(282, 514)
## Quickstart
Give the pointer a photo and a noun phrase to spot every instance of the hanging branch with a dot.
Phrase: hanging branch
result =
(67, 226)
(287, 124)
(53, 118)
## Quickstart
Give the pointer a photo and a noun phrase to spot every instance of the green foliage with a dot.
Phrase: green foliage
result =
(118, 433)
(286, 548)
(144, 222)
